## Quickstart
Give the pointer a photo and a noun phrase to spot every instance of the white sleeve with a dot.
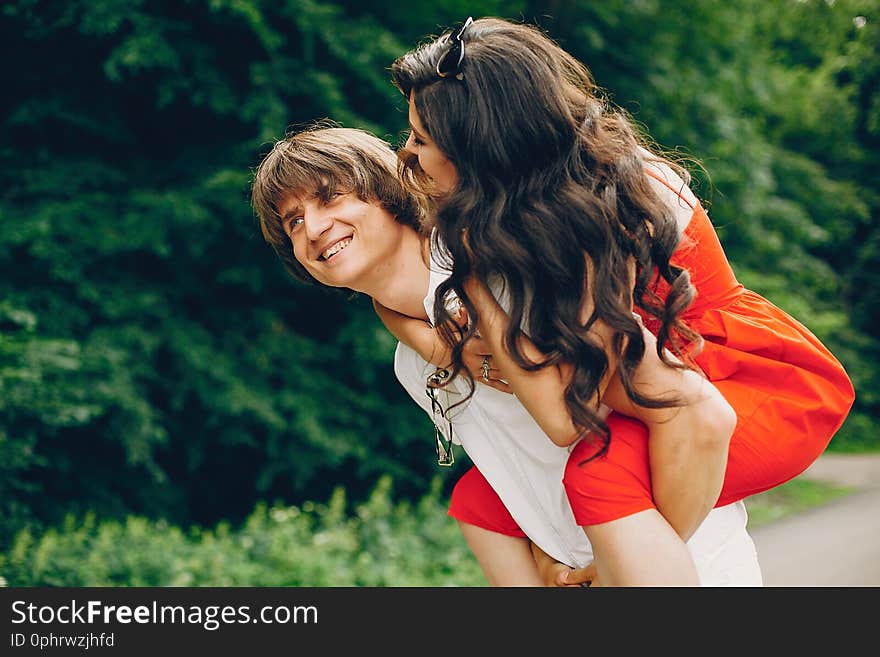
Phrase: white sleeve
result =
(412, 371)
(499, 290)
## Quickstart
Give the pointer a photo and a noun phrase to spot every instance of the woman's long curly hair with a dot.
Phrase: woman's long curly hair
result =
(548, 172)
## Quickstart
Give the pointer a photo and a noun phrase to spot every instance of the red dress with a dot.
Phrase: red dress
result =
(789, 392)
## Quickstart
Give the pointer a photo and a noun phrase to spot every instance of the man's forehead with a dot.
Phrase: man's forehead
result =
(291, 200)
(309, 190)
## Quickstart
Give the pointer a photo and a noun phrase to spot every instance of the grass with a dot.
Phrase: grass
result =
(791, 497)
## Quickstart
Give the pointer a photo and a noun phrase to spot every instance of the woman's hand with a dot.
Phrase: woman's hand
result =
(541, 391)
(418, 335)
(477, 356)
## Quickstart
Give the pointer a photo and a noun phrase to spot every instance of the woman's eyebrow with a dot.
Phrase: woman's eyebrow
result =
(417, 133)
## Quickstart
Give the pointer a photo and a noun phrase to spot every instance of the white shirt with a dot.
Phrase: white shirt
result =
(525, 468)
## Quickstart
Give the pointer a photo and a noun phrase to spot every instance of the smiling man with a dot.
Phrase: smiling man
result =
(345, 214)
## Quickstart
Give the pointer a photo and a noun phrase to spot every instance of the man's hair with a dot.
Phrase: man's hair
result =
(320, 159)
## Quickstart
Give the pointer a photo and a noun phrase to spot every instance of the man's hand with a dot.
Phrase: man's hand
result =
(554, 573)
(564, 576)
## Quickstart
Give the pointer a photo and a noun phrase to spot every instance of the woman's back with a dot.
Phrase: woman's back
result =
(790, 393)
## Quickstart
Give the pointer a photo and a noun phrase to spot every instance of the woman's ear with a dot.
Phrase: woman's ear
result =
(466, 244)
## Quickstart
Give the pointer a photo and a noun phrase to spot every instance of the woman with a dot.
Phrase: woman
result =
(334, 210)
(545, 191)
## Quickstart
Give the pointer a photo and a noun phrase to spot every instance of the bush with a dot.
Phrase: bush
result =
(381, 543)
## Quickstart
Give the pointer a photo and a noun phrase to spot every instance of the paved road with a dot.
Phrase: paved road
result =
(834, 545)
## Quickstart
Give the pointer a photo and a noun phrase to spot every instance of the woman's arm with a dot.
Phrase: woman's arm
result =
(688, 444)
(541, 391)
(416, 334)
(419, 336)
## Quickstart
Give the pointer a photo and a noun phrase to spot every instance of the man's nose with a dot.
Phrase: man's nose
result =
(317, 221)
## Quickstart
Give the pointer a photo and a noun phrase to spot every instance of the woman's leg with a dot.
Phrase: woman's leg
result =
(641, 549)
(610, 495)
(505, 560)
(499, 545)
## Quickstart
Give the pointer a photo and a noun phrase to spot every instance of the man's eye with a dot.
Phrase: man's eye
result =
(325, 196)
(293, 224)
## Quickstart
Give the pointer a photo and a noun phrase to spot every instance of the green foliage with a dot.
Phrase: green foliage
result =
(151, 342)
(377, 543)
(791, 497)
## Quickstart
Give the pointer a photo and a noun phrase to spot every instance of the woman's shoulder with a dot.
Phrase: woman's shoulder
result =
(671, 188)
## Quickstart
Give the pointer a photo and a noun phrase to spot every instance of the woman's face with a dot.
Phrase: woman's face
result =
(432, 160)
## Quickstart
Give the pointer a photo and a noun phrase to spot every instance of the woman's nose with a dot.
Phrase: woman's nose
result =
(410, 144)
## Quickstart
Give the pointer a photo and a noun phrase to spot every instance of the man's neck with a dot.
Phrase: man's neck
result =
(403, 281)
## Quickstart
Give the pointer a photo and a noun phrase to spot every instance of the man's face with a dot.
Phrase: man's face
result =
(341, 240)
